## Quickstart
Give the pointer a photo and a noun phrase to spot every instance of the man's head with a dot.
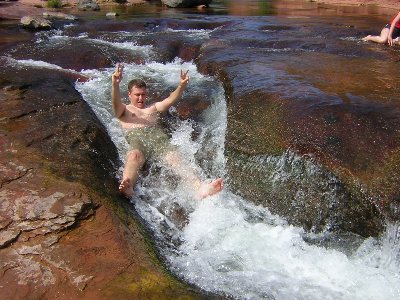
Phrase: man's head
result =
(137, 92)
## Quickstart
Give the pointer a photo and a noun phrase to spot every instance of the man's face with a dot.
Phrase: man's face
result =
(138, 96)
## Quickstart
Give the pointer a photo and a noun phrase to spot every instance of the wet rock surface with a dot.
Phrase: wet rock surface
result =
(291, 91)
(64, 230)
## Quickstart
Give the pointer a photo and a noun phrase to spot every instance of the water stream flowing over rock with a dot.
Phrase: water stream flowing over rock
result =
(285, 102)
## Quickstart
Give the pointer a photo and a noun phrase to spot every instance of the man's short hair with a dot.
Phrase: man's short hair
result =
(139, 83)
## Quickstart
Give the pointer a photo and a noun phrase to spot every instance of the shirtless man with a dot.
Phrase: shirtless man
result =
(145, 138)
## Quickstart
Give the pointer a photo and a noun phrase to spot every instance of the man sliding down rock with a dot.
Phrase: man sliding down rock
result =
(146, 139)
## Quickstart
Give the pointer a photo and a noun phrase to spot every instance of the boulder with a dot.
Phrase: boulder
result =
(88, 5)
(36, 23)
(186, 3)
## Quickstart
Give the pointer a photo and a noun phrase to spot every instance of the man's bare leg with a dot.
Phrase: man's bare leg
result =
(202, 189)
(134, 162)
(381, 39)
(209, 189)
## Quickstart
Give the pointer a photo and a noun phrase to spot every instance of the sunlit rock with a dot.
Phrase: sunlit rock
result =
(35, 22)
(88, 5)
(8, 236)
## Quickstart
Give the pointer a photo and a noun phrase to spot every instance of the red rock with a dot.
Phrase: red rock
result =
(65, 233)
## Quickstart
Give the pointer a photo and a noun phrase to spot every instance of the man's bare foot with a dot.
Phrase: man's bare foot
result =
(126, 188)
(209, 189)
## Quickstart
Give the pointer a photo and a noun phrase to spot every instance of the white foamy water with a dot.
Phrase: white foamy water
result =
(36, 64)
(55, 39)
(225, 244)
(32, 63)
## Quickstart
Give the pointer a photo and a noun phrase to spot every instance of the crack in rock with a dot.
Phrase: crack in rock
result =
(8, 236)
(18, 177)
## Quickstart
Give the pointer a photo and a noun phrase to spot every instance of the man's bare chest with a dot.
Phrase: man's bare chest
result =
(139, 118)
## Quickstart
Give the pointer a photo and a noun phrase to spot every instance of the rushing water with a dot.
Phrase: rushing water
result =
(223, 244)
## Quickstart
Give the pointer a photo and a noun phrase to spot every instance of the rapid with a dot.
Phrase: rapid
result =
(223, 244)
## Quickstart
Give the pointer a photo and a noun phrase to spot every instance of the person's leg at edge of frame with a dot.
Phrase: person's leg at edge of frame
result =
(381, 39)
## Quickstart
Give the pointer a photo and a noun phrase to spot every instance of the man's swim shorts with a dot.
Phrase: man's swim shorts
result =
(153, 142)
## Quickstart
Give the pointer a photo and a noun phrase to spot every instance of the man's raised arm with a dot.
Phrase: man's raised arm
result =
(117, 105)
(164, 105)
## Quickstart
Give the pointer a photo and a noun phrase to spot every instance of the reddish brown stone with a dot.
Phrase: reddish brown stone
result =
(65, 233)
